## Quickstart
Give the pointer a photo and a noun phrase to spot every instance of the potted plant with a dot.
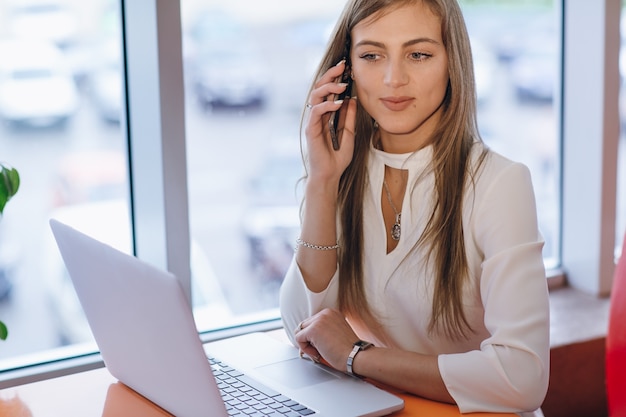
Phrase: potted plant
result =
(9, 183)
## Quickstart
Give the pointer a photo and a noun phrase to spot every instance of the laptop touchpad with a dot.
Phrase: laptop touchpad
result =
(296, 373)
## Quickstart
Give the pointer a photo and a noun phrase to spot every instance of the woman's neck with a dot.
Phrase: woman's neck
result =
(399, 144)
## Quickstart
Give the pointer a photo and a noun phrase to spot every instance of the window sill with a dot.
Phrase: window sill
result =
(576, 316)
(86, 362)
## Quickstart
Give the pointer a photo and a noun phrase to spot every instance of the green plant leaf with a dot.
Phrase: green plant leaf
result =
(4, 196)
(4, 332)
(9, 184)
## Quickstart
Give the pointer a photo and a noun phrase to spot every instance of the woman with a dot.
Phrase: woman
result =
(415, 237)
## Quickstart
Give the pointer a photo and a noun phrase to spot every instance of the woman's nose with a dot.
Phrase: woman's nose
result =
(396, 74)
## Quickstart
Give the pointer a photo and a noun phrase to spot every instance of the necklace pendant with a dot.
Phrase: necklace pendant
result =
(396, 229)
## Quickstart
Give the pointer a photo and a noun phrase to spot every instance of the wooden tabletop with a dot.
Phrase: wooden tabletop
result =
(97, 393)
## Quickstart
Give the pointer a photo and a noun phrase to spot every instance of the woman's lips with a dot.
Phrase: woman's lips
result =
(396, 103)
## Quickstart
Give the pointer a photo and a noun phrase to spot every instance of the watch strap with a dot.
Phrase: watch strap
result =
(356, 348)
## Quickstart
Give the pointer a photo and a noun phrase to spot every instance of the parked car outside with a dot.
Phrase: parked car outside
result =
(515, 31)
(35, 88)
(105, 82)
(271, 222)
(227, 67)
(48, 20)
(534, 72)
(230, 76)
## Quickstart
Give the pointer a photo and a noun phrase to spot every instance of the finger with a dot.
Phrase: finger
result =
(309, 352)
(300, 333)
(300, 326)
(331, 74)
(319, 117)
(326, 92)
(303, 343)
(327, 85)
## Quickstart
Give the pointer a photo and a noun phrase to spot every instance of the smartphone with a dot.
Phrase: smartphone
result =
(337, 118)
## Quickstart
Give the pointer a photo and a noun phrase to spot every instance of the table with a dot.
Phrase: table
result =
(97, 393)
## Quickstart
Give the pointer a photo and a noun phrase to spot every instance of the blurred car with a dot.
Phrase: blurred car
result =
(35, 89)
(271, 233)
(47, 20)
(105, 83)
(107, 93)
(227, 66)
(271, 222)
(230, 76)
(108, 221)
(534, 72)
(516, 31)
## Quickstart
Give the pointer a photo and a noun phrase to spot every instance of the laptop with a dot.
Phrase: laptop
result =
(145, 330)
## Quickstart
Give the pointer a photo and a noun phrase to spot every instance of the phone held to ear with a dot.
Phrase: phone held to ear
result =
(337, 118)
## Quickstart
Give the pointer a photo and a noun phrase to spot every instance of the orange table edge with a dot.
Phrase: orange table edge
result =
(97, 393)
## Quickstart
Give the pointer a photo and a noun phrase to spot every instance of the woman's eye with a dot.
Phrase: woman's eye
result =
(369, 57)
(419, 56)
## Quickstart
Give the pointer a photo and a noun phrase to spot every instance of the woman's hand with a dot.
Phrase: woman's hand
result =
(324, 170)
(324, 161)
(326, 335)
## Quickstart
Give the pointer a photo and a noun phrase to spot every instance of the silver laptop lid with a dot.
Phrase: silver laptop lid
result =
(142, 324)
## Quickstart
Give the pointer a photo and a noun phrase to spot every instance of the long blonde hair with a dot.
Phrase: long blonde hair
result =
(452, 142)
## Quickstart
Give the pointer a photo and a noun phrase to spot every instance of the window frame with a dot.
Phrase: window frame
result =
(155, 126)
(589, 223)
(155, 130)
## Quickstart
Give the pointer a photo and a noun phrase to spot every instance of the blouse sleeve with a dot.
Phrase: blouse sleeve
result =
(510, 371)
(297, 302)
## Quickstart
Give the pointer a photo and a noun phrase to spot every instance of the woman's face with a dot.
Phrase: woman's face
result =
(400, 69)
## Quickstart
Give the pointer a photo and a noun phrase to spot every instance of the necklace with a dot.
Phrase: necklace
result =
(396, 230)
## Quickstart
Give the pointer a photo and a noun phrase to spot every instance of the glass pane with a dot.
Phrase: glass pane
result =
(247, 71)
(60, 107)
(247, 67)
(517, 50)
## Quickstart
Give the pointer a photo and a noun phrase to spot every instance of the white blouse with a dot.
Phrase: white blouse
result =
(504, 365)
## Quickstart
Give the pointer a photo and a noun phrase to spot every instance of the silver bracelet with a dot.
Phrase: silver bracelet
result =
(301, 242)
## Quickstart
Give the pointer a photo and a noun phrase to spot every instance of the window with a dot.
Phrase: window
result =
(60, 109)
(210, 138)
(247, 71)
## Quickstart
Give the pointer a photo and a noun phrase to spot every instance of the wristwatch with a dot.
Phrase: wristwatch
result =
(356, 348)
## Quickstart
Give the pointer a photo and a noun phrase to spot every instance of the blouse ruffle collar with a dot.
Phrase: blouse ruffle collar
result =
(420, 158)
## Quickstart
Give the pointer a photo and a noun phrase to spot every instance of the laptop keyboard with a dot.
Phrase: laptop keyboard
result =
(245, 397)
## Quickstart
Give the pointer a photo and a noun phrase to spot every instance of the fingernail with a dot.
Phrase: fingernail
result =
(340, 62)
(338, 101)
